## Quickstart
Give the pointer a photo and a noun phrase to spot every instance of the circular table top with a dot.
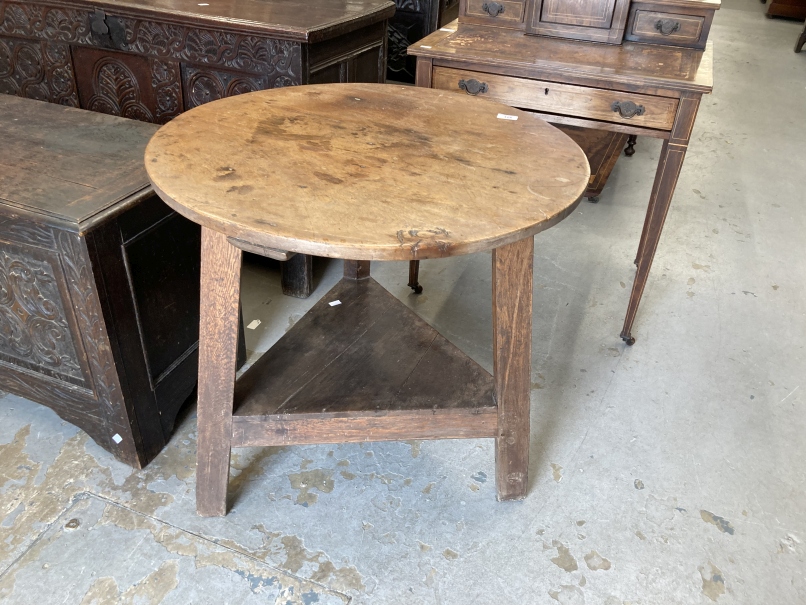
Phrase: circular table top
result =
(367, 171)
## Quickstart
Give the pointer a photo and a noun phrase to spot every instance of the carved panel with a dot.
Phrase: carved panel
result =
(205, 85)
(278, 59)
(34, 331)
(116, 91)
(118, 84)
(397, 42)
(37, 70)
(87, 306)
(414, 6)
(165, 80)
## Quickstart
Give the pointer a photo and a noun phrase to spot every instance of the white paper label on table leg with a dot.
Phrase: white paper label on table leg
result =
(334, 303)
(117, 438)
(505, 116)
(253, 324)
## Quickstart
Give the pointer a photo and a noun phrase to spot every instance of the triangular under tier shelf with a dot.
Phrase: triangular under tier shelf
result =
(370, 352)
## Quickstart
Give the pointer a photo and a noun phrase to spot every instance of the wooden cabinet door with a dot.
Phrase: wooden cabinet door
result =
(594, 20)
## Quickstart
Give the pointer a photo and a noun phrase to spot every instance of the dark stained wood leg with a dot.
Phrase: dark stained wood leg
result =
(356, 269)
(297, 276)
(801, 41)
(218, 345)
(631, 141)
(414, 277)
(671, 161)
(512, 361)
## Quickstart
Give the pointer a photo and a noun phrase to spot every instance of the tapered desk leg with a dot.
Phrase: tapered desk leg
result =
(512, 362)
(652, 198)
(218, 346)
(670, 162)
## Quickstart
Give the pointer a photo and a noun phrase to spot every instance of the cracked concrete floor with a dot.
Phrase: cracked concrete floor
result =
(670, 472)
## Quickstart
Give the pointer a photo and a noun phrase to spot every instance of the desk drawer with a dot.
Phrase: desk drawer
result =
(669, 24)
(562, 99)
(503, 13)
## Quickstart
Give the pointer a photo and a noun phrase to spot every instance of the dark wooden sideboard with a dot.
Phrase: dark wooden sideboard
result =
(152, 59)
(414, 20)
(99, 280)
(792, 9)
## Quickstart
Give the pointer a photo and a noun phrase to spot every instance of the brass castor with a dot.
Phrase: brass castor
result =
(418, 289)
(629, 340)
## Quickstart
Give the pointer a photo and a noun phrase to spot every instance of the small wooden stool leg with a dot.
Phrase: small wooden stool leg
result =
(414, 276)
(356, 269)
(296, 276)
(512, 361)
(218, 346)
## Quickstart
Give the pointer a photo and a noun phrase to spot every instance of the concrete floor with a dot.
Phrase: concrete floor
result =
(666, 473)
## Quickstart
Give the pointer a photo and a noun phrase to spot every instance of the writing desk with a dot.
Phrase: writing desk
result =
(637, 89)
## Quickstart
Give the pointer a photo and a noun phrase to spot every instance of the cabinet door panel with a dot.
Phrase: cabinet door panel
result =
(579, 12)
(593, 20)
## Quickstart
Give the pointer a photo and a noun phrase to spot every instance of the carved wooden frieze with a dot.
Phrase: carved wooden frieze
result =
(205, 85)
(37, 70)
(278, 59)
(45, 22)
(34, 331)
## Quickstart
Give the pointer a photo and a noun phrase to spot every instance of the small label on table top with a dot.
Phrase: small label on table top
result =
(506, 116)
(253, 324)
(445, 29)
(334, 303)
(424, 46)
(117, 438)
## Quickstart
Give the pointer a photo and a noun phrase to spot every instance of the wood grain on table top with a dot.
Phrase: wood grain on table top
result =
(309, 20)
(556, 59)
(367, 171)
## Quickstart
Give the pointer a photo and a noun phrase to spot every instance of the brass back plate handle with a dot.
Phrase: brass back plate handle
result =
(473, 87)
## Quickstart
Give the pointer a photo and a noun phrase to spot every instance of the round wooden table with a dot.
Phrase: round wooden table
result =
(363, 172)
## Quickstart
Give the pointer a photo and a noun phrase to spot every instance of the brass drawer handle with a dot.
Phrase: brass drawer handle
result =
(493, 8)
(473, 87)
(667, 26)
(627, 109)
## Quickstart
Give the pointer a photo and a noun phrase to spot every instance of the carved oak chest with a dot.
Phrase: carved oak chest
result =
(152, 59)
(99, 280)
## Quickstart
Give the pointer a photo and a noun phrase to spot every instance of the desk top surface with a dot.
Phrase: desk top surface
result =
(512, 52)
(68, 164)
(367, 171)
(309, 20)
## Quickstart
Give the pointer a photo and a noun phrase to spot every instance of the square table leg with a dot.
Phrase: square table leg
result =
(218, 346)
(512, 362)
